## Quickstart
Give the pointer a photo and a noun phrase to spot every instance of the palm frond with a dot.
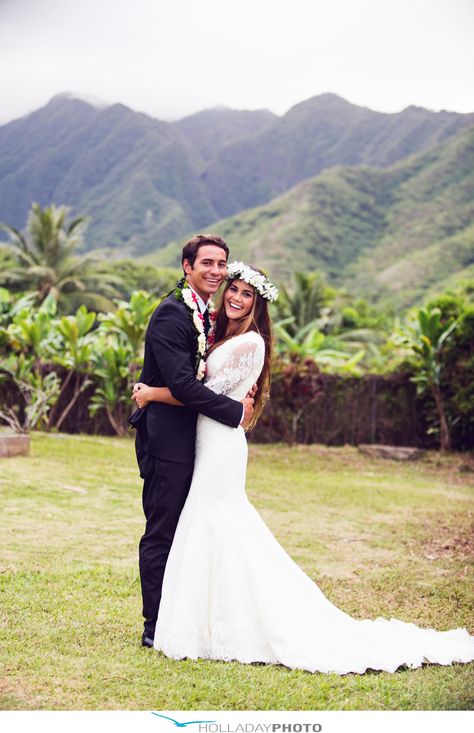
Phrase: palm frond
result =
(77, 222)
(15, 235)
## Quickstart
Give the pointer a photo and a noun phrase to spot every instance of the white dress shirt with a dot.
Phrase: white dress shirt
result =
(202, 305)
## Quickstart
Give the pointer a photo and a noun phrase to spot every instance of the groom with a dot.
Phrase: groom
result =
(166, 434)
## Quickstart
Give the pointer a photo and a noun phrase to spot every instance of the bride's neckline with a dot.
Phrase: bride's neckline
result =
(229, 340)
(238, 335)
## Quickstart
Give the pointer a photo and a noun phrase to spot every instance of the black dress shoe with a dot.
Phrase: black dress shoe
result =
(146, 641)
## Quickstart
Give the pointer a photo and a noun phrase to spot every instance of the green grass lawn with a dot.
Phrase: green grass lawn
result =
(379, 537)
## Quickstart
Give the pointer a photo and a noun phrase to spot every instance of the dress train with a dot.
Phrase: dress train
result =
(231, 592)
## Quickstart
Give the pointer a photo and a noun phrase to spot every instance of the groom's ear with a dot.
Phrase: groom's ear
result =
(187, 267)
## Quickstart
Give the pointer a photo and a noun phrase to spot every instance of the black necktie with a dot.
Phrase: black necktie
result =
(207, 322)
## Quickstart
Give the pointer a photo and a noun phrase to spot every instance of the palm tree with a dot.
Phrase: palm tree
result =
(306, 302)
(44, 261)
(310, 343)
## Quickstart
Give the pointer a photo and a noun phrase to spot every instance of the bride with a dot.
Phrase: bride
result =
(230, 591)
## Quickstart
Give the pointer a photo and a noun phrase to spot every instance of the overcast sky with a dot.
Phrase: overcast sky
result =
(171, 58)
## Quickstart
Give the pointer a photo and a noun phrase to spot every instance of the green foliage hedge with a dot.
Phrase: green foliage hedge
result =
(98, 358)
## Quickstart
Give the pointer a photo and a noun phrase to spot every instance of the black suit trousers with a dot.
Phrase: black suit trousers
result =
(165, 488)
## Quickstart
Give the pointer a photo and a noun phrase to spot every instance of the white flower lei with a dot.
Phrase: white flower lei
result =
(260, 282)
(183, 292)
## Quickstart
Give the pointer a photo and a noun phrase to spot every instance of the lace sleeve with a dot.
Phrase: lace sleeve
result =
(241, 366)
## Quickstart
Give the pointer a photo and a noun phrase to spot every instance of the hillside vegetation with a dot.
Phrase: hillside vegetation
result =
(388, 233)
(317, 134)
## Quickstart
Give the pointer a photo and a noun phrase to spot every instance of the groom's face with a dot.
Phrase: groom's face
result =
(208, 271)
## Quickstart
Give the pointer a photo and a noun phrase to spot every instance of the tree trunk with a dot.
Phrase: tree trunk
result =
(445, 441)
(134, 369)
(116, 424)
(295, 420)
(54, 408)
(77, 391)
(12, 420)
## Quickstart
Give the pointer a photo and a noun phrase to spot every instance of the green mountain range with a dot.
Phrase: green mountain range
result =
(388, 234)
(145, 182)
(382, 203)
(317, 134)
(137, 178)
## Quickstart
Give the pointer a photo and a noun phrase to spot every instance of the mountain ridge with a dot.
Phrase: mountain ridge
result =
(145, 182)
(386, 233)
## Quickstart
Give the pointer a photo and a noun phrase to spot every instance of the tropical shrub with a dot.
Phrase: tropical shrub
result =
(73, 353)
(458, 364)
(425, 337)
(129, 320)
(37, 392)
(110, 362)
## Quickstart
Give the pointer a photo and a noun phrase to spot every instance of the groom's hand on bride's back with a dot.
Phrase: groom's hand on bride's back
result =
(248, 411)
(252, 391)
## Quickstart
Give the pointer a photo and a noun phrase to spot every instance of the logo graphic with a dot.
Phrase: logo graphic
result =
(182, 725)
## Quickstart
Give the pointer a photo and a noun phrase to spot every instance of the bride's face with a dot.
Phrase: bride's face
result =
(238, 300)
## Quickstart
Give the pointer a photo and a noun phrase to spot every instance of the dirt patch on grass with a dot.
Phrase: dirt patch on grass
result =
(457, 543)
(448, 537)
(14, 696)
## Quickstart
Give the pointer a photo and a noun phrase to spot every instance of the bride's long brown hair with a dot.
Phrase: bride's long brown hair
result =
(257, 320)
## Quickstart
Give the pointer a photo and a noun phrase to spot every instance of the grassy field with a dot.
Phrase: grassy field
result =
(379, 537)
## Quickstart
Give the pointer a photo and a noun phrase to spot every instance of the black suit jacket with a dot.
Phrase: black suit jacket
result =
(167, 431)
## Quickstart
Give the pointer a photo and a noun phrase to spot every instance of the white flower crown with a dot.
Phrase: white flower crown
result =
(260, 282)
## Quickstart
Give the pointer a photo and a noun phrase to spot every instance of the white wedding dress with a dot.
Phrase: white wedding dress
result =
(231, 592)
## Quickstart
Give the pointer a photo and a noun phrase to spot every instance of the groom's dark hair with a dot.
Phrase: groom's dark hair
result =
(192, 247)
